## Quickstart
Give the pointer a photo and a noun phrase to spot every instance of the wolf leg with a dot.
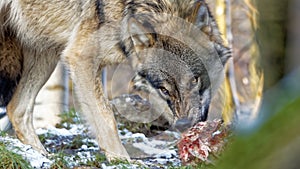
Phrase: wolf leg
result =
(81, 58)
(96, 108)
(37, 68)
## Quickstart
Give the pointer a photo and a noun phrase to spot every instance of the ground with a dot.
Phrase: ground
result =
(150, 145)
(72, 146)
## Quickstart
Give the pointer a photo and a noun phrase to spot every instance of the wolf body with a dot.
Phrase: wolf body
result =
(87, 35)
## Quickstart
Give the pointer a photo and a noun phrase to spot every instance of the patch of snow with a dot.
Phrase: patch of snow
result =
(121, 166)
(84, 147)
(91, 148)
(128, 99)
(165, 162)
(4, 122)
(139, 136)
(160, 152)
(75, 129)
(167, 154)
(2, 110)
(126, 134)
(85, 157)
(35, 159)
(60, 132)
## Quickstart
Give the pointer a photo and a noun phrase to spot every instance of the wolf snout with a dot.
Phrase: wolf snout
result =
(195, 115)
(183, 124)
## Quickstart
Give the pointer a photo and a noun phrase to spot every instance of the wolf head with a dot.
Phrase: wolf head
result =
(180, 53)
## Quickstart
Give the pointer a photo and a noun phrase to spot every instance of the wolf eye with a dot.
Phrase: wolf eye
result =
(194, 81)
(164, 91)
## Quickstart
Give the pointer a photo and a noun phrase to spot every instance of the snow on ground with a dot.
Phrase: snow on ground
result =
(4, 121)
(35, 158)
(156, 152)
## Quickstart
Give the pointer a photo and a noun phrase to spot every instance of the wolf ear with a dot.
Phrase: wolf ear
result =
(141, 35)
(204, 20)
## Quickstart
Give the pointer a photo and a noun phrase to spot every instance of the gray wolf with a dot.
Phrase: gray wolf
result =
(87, 35)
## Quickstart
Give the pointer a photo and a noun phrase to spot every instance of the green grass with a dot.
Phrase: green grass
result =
(100, 158)
(2, 134)
(59, 161)
(194, 166)
(11, 160)
(68, 118)
(124, 164)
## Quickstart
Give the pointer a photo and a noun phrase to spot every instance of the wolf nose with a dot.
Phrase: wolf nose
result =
(183, 124)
